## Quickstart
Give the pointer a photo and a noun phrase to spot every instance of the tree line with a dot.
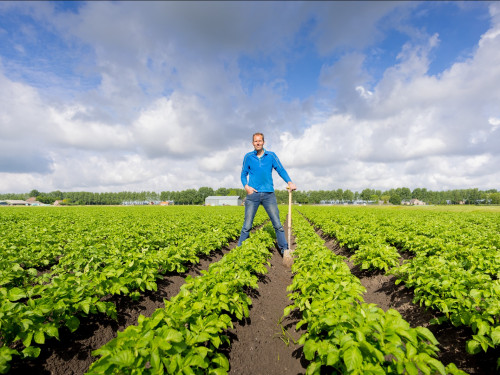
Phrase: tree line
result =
(197, 196)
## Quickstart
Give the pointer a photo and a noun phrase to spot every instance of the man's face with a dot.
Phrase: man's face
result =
(258, 143)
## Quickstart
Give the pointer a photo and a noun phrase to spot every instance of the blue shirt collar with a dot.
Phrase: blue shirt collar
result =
(255, 152)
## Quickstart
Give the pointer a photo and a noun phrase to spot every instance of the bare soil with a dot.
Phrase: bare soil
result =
(262, 343)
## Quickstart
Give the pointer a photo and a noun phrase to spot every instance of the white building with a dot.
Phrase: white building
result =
(16, 202)
(223, 201)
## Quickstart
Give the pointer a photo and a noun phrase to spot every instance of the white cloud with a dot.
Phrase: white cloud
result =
(172, 126)
(229, 159)
(70, 130)
(494, 122)
(414, 130)
(364, 93)
(24, 128)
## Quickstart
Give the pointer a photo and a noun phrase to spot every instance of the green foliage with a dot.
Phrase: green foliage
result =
(86, 253)
(344, 334)
(370, 248)
(395, 199)
(185, 336)
(455, 266)
(376, 256)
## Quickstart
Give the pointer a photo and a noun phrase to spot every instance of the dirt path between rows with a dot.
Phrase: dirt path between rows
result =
(262, 345)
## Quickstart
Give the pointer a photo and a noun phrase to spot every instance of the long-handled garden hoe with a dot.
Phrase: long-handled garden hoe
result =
(287, 255)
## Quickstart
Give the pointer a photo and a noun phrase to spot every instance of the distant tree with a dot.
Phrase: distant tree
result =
(300, 197)
(456, 196)
(433, 197)
(222, 191)
(281, 196)
(57, 195)
(330, 195)
(472, 196)
(166, 196)
(45, 198)
(34, 193)
(205, 191)
(374, 198)
(385, 198)
(151, 196)
(420, 194)
(232, 192)
(338, 195)
(190, 196)
(404, 193)
(348, 195)
(315, 196)
(493, 198)
(395, 199)
(366, 194)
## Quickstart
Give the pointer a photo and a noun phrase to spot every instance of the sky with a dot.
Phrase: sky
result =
(165, 96)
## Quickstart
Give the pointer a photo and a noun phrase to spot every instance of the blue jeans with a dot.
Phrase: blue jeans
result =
(268, 200)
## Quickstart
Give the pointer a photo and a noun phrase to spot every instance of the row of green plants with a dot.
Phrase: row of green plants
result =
(455, 270)
(454, 264)
(186, 336)
(42, 237)
(100, 252)
(368, 245)
(344, 334)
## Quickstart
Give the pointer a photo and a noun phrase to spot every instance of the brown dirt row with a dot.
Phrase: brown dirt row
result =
(383, 291)
(262, 344)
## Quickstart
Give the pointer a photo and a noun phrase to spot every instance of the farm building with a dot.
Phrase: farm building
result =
(16, 202)
(416, 202)
(33, 202)
(413, 202)
(223, 201)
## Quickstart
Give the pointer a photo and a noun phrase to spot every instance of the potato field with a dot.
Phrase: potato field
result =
(165, 290)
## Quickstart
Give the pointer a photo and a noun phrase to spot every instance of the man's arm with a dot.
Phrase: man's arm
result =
(282, 172)
(244, 175)
(244, 172)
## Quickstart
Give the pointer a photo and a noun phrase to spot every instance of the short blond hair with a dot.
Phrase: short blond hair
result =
(254, 134)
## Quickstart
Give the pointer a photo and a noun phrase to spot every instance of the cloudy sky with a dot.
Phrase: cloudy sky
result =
(113, 96)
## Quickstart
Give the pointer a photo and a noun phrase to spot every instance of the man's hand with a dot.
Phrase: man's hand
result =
(291, 186)
(250, 190)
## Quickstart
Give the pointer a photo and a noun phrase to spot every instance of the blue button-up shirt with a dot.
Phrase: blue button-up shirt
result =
(260, 171)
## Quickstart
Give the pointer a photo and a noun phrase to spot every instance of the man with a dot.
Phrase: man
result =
(258, 166)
